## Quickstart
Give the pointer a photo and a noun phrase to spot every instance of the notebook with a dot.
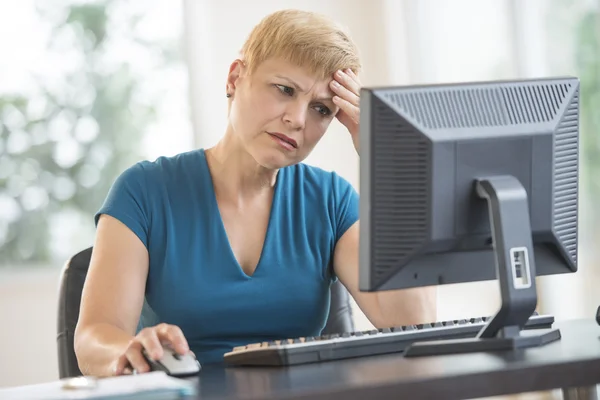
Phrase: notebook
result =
(148, 386)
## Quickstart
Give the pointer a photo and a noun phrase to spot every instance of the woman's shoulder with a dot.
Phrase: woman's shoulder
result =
(325, 195)
(177, 167)
(185, 162)
(318, 177)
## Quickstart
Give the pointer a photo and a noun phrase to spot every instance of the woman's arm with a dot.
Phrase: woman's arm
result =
(111, 303)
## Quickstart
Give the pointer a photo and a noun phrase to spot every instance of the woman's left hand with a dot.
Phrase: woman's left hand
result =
(346, 88)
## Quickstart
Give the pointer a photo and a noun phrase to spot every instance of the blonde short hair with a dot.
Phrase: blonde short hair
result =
(306, 39)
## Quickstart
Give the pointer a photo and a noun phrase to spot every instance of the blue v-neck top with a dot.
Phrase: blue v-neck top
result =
(194, 280)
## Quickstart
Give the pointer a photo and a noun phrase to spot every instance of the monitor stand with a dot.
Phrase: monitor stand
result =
(515, 268)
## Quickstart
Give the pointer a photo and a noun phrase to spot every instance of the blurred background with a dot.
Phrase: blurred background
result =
(88, 88)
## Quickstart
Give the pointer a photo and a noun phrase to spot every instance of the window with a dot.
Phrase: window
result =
(88, 89)
(571, 37)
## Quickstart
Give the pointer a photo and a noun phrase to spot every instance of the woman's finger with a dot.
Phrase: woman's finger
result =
(354, 77)
(347, 81)
(174, 336)
(122, 365)
(344, 93)
(350, 109)
(135, 357)
(151, 343)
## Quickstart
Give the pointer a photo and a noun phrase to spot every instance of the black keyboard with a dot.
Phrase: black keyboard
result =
(359, 344)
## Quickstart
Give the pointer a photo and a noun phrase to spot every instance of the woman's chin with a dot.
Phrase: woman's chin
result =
(274, 159)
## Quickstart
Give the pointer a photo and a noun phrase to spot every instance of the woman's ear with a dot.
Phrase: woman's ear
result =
(236, 71)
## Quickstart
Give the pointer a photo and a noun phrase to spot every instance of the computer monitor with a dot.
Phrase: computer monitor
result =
(468, 182)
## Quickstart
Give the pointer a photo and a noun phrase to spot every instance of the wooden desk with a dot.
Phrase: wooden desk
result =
(572, 362)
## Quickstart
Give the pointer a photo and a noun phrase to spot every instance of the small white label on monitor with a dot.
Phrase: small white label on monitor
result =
(519, 261)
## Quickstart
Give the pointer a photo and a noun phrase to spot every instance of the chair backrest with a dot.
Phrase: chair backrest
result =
(71, 284)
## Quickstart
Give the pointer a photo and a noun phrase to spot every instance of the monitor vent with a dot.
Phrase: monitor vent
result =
(534, 103)
(399, 191)
(482, 106)
(566, 178)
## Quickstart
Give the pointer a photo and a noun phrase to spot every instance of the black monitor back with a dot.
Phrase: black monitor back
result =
(422, 150)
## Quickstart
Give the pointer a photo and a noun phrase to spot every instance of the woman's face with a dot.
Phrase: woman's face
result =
(280, 112)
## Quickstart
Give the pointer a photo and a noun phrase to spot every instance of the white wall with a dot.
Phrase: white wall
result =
(28, 304)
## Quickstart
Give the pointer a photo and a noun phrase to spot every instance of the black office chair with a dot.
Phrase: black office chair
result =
(71, 284)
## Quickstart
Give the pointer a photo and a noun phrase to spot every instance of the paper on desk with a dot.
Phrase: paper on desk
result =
(152, 385)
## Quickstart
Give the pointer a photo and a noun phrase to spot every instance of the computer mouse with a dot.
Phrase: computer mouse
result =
(173, 363)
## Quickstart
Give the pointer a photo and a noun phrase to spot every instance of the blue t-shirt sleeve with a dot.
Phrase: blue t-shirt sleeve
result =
(347, 200)
(128, 201)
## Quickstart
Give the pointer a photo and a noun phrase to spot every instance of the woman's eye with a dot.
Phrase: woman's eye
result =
(285, 90)
(323, 110)
(288, 91)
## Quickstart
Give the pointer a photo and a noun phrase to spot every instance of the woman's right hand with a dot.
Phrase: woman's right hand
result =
(152, 339)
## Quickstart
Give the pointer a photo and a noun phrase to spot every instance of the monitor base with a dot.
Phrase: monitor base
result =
(526, 338)
(515, 268)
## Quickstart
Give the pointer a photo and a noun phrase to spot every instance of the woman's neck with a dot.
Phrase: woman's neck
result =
(235, 173)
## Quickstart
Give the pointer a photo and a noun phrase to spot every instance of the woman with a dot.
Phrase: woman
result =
(239, 243)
